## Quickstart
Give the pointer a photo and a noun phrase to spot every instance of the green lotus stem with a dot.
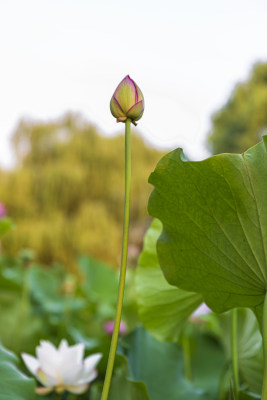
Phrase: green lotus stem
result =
(115, 334)
(264, 343)
(235, 353)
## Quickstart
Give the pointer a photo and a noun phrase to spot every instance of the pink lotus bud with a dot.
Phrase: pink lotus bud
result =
(127, 101)
(3, 211)
(109, 326)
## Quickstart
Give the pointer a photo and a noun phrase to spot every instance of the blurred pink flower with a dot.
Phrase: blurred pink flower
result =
(201, 310)
(109, 326)
(3, 211)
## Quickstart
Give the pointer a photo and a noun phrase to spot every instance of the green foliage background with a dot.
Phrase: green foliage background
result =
(65, 197)
(242, 121)
(65, 194)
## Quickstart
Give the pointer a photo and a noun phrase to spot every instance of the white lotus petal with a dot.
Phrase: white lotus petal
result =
(71, 355)
(71, 373)
(63, 346)
(89, 377)
(48, 357)
(89, 371)
(79, 389)
(47, 351)
(43, 390)
(48, 346)
(91, 361)
(46, 379)
(31, 363)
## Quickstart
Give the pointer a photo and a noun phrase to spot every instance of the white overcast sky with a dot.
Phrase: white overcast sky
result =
(186, 56)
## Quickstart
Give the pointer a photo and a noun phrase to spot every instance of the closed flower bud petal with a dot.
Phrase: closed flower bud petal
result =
(136, 111)
(127, 101)
(115, 108)
(126, 94)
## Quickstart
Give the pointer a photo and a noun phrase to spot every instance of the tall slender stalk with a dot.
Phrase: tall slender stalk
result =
(235, 353)
(264, 343)
(115, 334)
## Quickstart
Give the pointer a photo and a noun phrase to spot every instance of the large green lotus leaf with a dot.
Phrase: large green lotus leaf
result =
(101, 281)
(160, 366)
(13, 384)
(214, 215)
(249, 342)
(208, 361)
(122, 387)
(45, 287)
(125, 388)
(163, 308)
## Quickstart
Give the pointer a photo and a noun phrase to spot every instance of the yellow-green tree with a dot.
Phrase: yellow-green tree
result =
(65, 194)
(242, 121)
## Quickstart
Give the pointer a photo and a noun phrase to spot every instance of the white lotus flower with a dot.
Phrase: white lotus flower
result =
(62, 369)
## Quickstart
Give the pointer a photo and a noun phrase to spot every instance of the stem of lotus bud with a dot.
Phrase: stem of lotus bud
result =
(115, 334)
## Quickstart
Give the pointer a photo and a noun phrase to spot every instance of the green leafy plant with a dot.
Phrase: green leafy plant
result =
(208, 240)
(249, 347)
(160, 365)
(14, 385)
(163, 309)
(214, 228)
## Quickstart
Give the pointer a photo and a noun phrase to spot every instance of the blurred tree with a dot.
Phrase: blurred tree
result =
(242, 121)
(66, 193)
